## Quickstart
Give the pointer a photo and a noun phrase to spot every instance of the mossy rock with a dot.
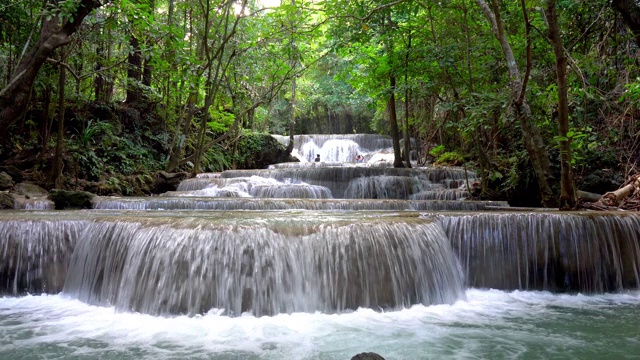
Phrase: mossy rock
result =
(68, 199)
(6, 182)
(6, 201)
(29, 190)
(12, 171)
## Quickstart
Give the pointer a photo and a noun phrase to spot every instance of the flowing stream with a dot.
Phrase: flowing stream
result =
(319, 261)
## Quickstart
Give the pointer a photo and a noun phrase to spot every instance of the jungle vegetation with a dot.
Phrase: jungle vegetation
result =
(539, 96)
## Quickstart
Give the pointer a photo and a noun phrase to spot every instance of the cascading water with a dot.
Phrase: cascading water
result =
(559, 252)
(319, 260)
(35, 254)
(284, 264)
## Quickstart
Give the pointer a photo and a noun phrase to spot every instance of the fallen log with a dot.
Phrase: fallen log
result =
(586, 196)
(614, 198)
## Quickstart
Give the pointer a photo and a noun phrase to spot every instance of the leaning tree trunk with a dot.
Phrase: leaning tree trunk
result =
(53, 34)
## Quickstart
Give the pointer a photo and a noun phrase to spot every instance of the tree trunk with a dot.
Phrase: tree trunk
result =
(391, 102)
(147, 69)
(134, 71)
(292, 116)
(99, 80)
(405, 127)
(294, 62)
(567, 189)
(56, 171)
(531, 136)
(45, 126)
(393, 118)
(53, 33)
(630, 11)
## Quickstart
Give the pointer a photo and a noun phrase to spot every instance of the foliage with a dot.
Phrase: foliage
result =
(224, 69)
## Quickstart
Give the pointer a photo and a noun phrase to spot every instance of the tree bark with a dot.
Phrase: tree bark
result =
(53, 34)
(531, 136)
(567, 189)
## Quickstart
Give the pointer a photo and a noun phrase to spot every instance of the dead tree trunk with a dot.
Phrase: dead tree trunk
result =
(614, 198)
(53, 34)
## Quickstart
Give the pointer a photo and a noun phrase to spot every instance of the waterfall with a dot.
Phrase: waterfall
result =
(384, 187)
(584, 252)
(34, 254)
(274, 265)
(338, 179)
(307, 261)
(208, 203)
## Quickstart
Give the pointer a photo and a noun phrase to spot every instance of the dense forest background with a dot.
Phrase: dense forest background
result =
(539, 97)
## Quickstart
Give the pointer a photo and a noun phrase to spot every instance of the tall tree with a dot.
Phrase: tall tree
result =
(567, 191)
(531, 136)
(59, 23)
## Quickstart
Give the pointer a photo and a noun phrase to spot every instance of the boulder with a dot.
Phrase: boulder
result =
(67, 199)
(29, 190)
(6, 181)
(6, 201)
(165, 181)
(13, 171)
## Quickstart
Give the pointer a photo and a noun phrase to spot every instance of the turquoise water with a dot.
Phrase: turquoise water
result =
(490, 324)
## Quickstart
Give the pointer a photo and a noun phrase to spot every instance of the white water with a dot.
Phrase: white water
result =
(489, 324)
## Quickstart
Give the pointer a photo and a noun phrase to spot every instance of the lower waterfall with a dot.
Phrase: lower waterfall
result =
(281, 264)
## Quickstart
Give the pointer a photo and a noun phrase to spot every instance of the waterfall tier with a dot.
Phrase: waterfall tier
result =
(586, 252)
(287, 261)
(244, 203)
(282, 263)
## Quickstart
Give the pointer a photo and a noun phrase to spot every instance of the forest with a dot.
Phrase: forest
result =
(540, 98)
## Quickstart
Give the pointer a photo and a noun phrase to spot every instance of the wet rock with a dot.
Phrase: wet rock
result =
(6, 201)
(29, 190)
(165, 181)
(12, 171)
(367, 356)
(65, 199)
(6, 181)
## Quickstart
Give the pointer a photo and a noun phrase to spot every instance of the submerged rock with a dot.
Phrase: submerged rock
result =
(367, 356)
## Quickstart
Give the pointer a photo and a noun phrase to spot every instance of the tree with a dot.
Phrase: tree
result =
(60, 21)
(567, 190)
(531, 136)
